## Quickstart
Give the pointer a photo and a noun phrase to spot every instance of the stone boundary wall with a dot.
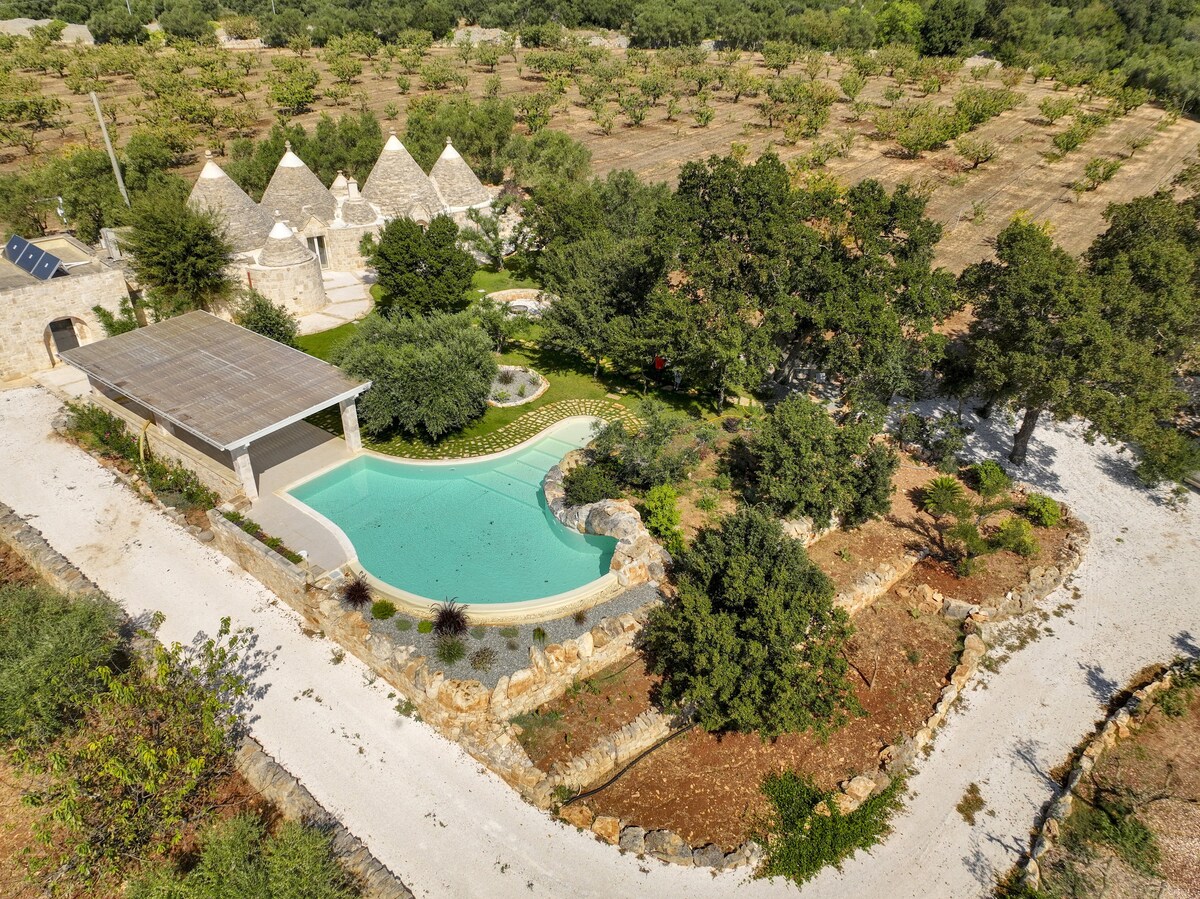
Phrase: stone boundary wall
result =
(283, 578)
(295, 803)
(612, 751)
(873, 584)
(55, 569)
(260, 770)
(638, 558)
(1120, 724)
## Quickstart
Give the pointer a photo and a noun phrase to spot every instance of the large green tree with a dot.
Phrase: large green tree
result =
(1103, 341)
(805, 463)
(430, 375)
(179, 254)
(421, 269)
(753, 640)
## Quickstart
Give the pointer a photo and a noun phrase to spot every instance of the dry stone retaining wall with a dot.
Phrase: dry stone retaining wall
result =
(1120, 724)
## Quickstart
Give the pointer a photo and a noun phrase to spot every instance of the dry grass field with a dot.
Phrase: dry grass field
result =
(972, 205)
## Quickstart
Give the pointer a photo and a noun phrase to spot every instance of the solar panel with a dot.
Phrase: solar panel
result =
(34, 260)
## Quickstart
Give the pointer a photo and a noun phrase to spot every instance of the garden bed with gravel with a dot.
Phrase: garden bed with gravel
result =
(488, 653)
(516, 385)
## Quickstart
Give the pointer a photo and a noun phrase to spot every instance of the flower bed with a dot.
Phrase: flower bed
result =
(516, 385)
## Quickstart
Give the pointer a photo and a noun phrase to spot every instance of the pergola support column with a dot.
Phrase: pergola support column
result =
(350, 425)
(245, 471)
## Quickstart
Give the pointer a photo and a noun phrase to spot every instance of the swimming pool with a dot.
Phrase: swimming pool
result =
(478, 532)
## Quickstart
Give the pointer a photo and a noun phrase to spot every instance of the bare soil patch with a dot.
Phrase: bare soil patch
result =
(13, 569)
(846, 555)
(574, 722)
(705, 787)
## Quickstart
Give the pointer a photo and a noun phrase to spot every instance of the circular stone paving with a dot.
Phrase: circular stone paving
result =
(515, 385)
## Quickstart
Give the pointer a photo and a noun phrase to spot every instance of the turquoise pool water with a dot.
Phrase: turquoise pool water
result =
(478, 532)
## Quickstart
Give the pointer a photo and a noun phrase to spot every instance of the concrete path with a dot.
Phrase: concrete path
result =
(349, 300)
(452, 830)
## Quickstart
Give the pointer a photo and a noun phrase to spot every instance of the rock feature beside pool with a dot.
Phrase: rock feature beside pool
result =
(515, 385)
(638, 558)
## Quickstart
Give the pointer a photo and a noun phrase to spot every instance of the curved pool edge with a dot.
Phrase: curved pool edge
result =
(525, 611)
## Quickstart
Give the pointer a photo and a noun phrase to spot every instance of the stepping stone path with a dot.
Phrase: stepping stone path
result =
(513, 433)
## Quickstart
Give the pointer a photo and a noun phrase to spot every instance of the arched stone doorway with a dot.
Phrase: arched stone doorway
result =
(64, 333)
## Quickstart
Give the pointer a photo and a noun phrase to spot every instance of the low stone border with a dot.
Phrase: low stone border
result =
(54, 568)
(295, 803)
(1120, 724)
(515, 400)
(638, 557)
(875, 583)
(281, 576)
(260, 770)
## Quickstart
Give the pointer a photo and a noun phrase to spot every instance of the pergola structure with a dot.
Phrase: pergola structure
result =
(201, 378)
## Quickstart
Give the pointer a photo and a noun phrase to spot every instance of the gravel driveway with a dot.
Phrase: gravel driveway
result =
(451, 830)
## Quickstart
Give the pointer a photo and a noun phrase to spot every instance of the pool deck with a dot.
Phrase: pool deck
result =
(303, 450)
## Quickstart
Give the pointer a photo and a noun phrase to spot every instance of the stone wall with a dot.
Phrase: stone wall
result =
(341, 247)
(217, 477)
(638, 558)
(295, 803)
(285, 579)
(260, 770)
(26, 313)
(298, 288)
(1120, 724)
(875, 583)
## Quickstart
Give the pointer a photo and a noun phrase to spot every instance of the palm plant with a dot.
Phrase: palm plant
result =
(356, 593)
(450, 619)
(943, 496)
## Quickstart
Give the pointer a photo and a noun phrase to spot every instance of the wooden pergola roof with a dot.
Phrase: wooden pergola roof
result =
(224, 384)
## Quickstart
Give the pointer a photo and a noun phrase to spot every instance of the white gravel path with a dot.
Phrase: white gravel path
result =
(452, 830)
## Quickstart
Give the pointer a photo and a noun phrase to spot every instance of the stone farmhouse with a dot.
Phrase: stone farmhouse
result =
(302, 228)
(50, 310)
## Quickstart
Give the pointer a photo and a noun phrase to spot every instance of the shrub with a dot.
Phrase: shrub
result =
(539, 635)
(158, 744)
(238, 857)
(383, 609)
(483, 659)
(753, 638)
(450, 650)
(1016, 535)
(805, 463)
(1042, 510)
(662, 517)
(589, 484)
(356, 592)
(799, 840)
(479, 632)
(424, 627)
(50, 649)
(650, 455)
(506, 376)
(943, 495)
(450, 619)
(990, 479)
(404, 624)
(258, 314)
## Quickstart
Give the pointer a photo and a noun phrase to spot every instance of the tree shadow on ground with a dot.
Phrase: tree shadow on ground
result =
(1186, 644)
(1103, 687)
(1025, 752)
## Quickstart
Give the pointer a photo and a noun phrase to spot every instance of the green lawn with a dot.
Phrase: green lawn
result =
(489, 282)
(323, 343)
